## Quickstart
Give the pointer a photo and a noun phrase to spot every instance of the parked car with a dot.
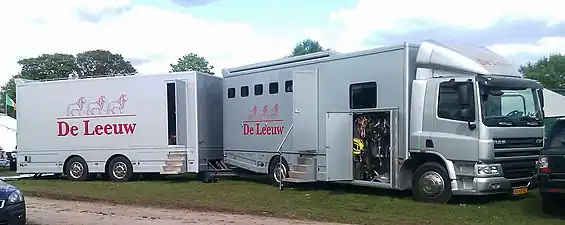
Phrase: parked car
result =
(12, 205)
(551, 169)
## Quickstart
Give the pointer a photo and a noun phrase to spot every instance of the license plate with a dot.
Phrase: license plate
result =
(520, 191)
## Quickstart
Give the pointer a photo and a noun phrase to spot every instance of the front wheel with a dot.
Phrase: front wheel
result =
(120, 169)
(550, 203)
(431, 183)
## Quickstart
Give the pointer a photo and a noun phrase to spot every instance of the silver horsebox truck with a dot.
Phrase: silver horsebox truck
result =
(438, 119)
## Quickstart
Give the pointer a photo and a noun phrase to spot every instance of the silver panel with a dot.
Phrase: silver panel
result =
(181, 112)
(305, 110)
(339, 133)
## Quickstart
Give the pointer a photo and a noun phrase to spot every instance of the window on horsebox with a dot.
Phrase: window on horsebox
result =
(258, 89)
(244, 92)
(363, 95)
(274, 88)
(288, 86)
(231, 92)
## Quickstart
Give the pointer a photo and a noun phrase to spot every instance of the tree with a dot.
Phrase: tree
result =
(10, 89)
(102, 62)
(550, 71)
(192, 62)
(48, 66)
(306, 46)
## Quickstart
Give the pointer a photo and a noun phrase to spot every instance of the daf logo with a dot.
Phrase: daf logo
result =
(499, 142)
(539, 141)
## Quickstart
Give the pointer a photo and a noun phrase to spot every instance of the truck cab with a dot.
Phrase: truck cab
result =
(482, 118)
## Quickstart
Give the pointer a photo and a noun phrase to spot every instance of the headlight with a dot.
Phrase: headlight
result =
(15, 197)
(487, 170)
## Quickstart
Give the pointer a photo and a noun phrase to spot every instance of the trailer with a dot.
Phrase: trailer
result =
(438, 119)
(120, 126)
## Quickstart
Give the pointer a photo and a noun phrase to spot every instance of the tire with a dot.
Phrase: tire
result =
(425, 192)
(273, 174)
(76, 169)
(120, 169)
(206, 177)
(549, 203)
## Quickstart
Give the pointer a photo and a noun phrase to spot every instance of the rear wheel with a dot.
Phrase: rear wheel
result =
(278, 170)
(431, 183)
(120, 169)
(550, 203)
(76, 169)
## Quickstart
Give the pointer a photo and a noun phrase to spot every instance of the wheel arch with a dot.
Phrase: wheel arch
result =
(416, 159)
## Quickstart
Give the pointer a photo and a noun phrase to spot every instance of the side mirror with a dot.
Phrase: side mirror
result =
(465, 92)
(541, 99)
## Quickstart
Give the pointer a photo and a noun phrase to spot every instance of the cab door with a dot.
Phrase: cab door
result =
(452, 135)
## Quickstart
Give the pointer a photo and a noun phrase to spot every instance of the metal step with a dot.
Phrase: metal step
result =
(177, 155)
(292, 180)
(305, 160)
(299, 167)
(178, 169)
(174, 162)
(296, 175)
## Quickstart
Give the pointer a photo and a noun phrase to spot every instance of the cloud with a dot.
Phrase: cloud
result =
(517, 29)
(192, 3)
(149, 36)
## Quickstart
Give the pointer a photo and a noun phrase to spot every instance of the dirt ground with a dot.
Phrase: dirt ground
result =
(54, 212)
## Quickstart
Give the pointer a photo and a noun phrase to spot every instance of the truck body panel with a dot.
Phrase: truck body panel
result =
(99, 118)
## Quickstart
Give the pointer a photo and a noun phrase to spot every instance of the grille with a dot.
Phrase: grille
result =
(500, 143)
(519, 168)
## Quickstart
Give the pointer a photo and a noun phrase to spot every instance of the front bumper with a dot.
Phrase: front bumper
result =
(490, 185)
(13, 214)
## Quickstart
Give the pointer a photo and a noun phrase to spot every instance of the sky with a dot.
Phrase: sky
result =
(151, 34)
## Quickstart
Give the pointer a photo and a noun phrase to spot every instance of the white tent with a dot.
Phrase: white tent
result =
(554, 104)
(8, 127)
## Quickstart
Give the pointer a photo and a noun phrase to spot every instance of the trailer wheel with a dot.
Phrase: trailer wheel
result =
(278, 170)
(431, 183)
(76, 169)
(120, 169)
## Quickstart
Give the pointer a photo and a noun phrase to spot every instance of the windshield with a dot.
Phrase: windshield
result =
(502, 107)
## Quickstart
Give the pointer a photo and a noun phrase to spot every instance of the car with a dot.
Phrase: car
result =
(551, 169)
(12, 205)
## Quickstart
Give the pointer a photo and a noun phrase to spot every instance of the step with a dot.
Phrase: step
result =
(299, 167)
(296, 175)
(305, 160)
(292, 180)
(170, 173)
(173, 169)
(174, 162)
(176, 156)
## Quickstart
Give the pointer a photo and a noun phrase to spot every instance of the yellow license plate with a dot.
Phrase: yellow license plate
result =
(520, 191)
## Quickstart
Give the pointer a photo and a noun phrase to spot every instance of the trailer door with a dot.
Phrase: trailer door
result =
(339, 133)
(181, 112)
(305, 116)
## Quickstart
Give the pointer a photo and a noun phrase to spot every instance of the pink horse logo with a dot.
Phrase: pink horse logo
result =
(95, 108)
(252, 113)
(116, 107)
(75, 109)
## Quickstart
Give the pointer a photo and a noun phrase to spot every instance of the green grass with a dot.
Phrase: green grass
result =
(332, 203)
(5, 171)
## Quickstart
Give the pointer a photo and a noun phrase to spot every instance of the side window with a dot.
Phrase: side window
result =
(244, 91)
(448, 102)
(258, 89)
(274, 88)
(363, 95)
(231, 92)
(288, 86)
